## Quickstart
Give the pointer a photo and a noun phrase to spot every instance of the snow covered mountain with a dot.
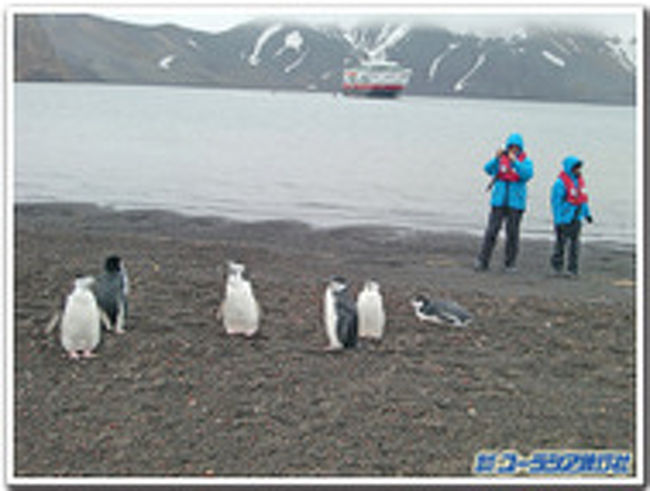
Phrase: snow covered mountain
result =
(540, 64)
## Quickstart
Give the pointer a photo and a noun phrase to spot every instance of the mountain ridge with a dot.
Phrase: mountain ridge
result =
(536, 63)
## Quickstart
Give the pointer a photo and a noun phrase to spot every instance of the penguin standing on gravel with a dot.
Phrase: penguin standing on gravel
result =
(111, 289)
(370, 307)
(239, 310)
(340, 312)
(80, 323)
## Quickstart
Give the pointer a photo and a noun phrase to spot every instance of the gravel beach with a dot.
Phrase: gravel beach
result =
(548, 363)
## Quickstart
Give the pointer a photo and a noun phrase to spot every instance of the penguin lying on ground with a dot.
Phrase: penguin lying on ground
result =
(340, 312)
(239, 310)
(370, 309)
(111, 289)
(441, 311)
(80, 324)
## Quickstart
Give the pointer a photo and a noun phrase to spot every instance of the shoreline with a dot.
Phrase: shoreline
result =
(401, 230)
(548, 363)
(363, 251)
(336, 93)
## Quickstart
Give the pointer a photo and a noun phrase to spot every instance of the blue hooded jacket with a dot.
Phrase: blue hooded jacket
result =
(512, 194)
(563, 211)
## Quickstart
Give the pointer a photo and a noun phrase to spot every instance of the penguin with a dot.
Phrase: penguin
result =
(370, 309)
(340, 315)
(239, 310)
(441, 311)
(111, 288)
(80, 323)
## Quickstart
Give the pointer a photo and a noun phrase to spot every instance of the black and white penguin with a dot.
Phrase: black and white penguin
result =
(239, 310)
(370, 309)
(441, 311)
(111, 288)
(80, 323)
(341, 319)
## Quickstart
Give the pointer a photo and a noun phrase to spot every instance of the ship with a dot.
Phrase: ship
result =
(377, 78)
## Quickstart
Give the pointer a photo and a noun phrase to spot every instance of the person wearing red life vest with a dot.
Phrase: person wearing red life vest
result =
(570, 205)
(511, 169)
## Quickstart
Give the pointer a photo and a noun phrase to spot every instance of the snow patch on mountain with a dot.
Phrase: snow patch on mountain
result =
(292, 66)
(560, 47)
(460, 85)
(293, 41)
(351, 37)
(375, 49)
(387, 31)
(554, 59)
(518, 34)
(629, 47)
(389, 37)
(436, 61)
(574, 45)
(192, 43)
(165, 63)
(620, 55)
(254, 58)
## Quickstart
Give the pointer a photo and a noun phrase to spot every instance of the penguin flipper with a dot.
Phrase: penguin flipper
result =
(347, 328)
(53, 322)
(459, 316)
(108, 290)
(219, 312)
(105, 319)
(121, 318)
(450, 318)
(56, 317)
(258, 309)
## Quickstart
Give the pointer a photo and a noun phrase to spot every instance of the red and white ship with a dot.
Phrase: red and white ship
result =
(376, 78)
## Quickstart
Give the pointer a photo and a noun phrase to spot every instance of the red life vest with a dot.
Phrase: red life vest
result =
(574, 195)
(506, 172)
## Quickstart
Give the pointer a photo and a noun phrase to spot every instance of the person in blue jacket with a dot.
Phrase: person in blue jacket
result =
(569, 202)
(511, 169)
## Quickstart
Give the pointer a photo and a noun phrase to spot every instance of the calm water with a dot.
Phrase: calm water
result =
(323, 159)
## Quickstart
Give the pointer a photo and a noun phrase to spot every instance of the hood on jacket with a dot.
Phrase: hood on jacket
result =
(515, 139)
(570, 162)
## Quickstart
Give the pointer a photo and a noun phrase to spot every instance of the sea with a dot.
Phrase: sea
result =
(325, 159)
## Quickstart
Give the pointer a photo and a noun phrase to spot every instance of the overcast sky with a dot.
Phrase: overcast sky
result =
(480, 20)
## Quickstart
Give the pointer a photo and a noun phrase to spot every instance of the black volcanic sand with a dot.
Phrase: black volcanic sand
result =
(549, 362)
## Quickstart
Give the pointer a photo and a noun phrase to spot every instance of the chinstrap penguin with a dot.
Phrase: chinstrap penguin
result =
(111, 288)
(80, 323)
(370, 309)
(340, 316)
(441, 311)
(239, 310)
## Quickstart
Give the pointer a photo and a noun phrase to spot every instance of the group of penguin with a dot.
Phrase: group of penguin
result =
(102, 300)
(93, 302)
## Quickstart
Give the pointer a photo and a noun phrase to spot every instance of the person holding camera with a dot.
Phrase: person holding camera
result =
(510, 169)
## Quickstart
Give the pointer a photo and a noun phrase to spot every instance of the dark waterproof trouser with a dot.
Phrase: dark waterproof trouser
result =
(563, 233)
(513, 219)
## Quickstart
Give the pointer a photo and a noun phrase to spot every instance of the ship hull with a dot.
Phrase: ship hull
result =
(390, 91)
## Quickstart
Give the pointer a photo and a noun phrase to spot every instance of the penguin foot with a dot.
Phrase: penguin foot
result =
(105, 320)
(73, 355)
(330, 349)
(88, 354)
